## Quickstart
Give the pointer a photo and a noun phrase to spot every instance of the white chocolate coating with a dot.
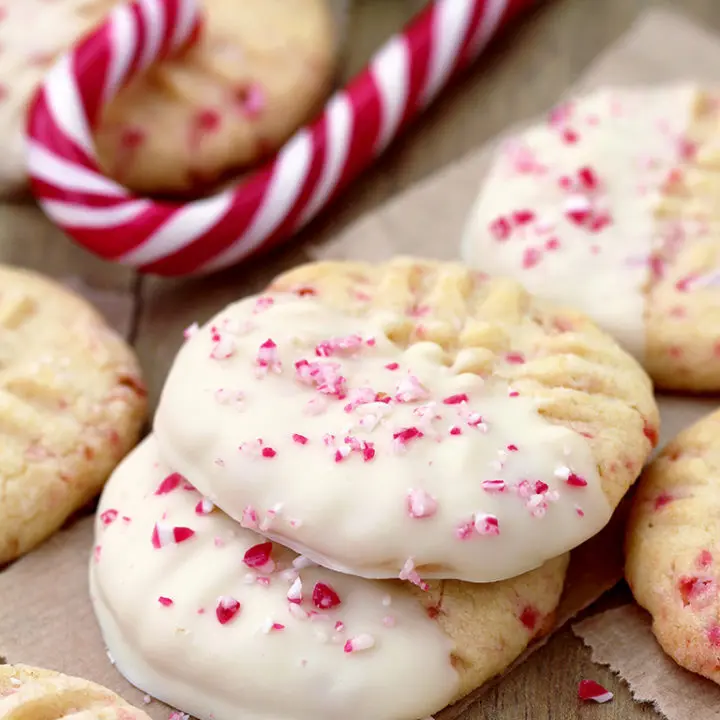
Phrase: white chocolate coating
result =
(570, 206)
(159, 593)
(448, 474)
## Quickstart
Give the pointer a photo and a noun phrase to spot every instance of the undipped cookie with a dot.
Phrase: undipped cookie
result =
(673, 547)
(216, 621)
(412, 419)
(33, 34)
(28, 693)
(71, 406)
(260, 71)
(611, 205)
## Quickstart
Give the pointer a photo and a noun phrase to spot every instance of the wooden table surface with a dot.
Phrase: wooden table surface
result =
(525, 75)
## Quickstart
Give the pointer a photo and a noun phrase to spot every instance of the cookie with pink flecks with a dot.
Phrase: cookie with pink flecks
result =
(27, 692)
(610, 205)
(72, 404)
(213, 618)
(412, 419)
(261, 70)
(33, 34)
(673, 547)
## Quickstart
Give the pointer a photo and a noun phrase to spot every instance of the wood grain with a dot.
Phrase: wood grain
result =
(525, 74)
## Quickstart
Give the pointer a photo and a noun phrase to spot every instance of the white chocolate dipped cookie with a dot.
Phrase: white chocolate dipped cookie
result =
(611, 205)
(411, 420)
(216, 621)
(28, 693)
(71, 406)
(261, 69)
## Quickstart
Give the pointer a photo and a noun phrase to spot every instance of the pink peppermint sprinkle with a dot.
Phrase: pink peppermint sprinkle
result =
(590, 690)
(295, 592)
(170, 483)
(334, 346)
(410, 574)
(164, 534)
(323, 376)
(108, 517)
(360, 642)
(403, 437)
(324, 597)
(258, 555)
(493, 485)
(515, 358)
(267, 357)
(456, 399)
(204, 507)
(263, 303)
(410, 389)
(227, 608)
(190, 330)
(531, 258)
(512, 448)
(268, 452)
(500, 228)
(299, 439)
(165, 601)
(588, 178)
(249, 518)
(392, 366)
(571, 478)
(486, 524)
(578, 209)
(523, 217)
(420, 504)
(455, 430)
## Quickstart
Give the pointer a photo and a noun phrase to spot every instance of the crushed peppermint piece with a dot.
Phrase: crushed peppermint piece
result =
(324, 597)
(204, 507)
(295, 592)
(410, 574)
(299, 439)
(486, 524)
(227, 608)
(258, 556)
(165, 601)
(108, 517)
(420, 504)
(164, 534)
(590, 690)
(268, 452)
(170, 483)
(493, 485)
(456, 399)
(410, 389)
(359, 642)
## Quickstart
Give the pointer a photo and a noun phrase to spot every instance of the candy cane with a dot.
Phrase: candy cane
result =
(176, 238)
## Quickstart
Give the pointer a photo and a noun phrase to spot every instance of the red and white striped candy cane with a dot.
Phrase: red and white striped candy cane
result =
(183, 238)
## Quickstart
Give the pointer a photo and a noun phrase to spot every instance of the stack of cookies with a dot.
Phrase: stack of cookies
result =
(360, 493)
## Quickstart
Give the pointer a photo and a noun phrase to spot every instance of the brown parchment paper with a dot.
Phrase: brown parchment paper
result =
(45, 614)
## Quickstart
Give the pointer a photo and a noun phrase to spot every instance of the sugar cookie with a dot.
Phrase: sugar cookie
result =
(27, 693)
(213, 619)
(33, 34)
(411, 419)
(673, 547)
(261, 70)
(71, 405)
(611, 206)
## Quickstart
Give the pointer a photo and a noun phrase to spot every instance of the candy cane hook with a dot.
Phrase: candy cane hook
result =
(183, 238)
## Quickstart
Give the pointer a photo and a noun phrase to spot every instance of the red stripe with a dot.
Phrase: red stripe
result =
(466, 55)
(171, 18)
(43, 129)
(140, 41)
(318, 143)
(111, 243)
(419, 38)
(48, 191)
(366, 114)
(90, 61)
(247, 199)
